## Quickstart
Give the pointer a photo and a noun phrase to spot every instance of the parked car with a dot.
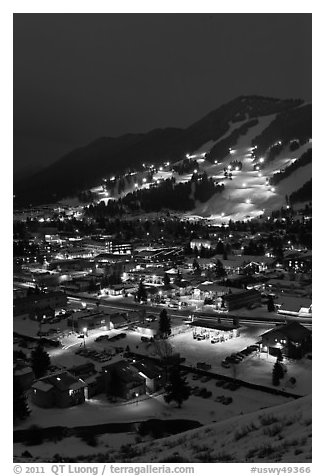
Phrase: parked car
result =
(205, 379)
(226, 365)
(101, 338)
(219, 398)
(234, 386)
(145, 339)
(246, 351)
(203, 366)
(197, 391)
(254, 347)
(227, 400)
(204, 393)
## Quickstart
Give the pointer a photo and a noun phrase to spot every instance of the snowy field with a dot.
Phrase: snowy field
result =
(281, 434)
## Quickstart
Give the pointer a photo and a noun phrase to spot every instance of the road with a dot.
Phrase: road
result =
(181, 313)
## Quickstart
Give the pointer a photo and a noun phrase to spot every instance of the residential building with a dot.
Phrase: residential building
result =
(61, 390)
(293, 340)
(154, 375)
(122, 380)
(241, 299)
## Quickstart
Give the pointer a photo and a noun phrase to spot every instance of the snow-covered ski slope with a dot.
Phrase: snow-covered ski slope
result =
(247, 195)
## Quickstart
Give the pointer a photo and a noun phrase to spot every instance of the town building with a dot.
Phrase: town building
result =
(61, 390)
(37, 302)
(92, 378)
(23, 374)
(123, 381)
(292, 340)
(154, 375)
(87, 320)
(241, 299)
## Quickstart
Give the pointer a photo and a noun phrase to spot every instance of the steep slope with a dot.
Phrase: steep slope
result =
(83, 167)
(278, 434)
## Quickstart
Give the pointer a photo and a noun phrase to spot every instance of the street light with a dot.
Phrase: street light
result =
(137, 396)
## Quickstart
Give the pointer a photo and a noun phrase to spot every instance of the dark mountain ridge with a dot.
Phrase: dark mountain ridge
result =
(84, 167)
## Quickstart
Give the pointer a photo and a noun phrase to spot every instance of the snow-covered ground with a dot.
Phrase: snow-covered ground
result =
(98, 410)
(280, 434)
(256, 368)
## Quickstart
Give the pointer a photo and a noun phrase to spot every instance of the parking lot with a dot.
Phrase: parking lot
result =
(212, 352)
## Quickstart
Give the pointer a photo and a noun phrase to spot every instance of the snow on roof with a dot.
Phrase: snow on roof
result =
(23, 371)
(294, 331)
(42, 386)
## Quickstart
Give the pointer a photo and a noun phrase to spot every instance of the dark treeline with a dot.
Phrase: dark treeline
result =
(305, 159)
(221, 149)
(186, 166)
(304, 194)
(167, 195)
(293, 124)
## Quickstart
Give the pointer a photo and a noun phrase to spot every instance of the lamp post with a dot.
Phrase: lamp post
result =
(137, 396)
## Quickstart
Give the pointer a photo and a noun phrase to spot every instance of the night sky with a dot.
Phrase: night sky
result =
(81, 76)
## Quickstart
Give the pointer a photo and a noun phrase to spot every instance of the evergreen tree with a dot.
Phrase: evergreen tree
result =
(219, 269)
(166, 280)
(142, 293)
(40, 361)
(196, 267)
(164, 324)
(220, 248)
(270, 304)
(20, 406)
(177, 388)
(92, 286)
(277, 373)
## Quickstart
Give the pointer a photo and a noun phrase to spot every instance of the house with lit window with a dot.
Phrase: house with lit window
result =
(88, 373)
(61, 390)
(291, 340)
(301, 262)
(154, 375)
(123, 381)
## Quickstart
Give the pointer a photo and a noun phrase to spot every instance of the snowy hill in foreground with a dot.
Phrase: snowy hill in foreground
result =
(281, 433)
(278, 434)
